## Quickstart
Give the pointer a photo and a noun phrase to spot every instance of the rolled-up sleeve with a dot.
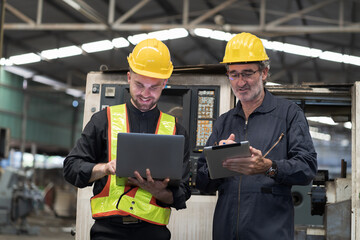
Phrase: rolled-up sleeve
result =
(88, 151)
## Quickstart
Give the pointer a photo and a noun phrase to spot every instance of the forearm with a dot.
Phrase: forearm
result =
(98, 172)
(165, 196)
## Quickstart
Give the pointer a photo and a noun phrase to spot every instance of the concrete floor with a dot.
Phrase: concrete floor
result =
(47, 227)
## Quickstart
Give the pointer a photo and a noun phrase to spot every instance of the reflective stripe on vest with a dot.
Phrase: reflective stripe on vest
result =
(138, 202)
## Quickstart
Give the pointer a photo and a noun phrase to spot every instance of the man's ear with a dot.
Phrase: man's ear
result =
(165, 82)
(129, 77)
(265, 72)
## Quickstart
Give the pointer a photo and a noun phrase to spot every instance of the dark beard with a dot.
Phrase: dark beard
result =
(139, 106)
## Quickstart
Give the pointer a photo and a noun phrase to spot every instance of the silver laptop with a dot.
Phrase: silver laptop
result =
(162, 154)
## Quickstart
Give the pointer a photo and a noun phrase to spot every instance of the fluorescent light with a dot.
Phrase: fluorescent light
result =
(160, 35)
(213, 34)
(320, 136)
(272, 84)
(324, 120)
(274, 45)
(73, 4)
(332, 56)
(352, 60)
(300, 50)
(25, 58)
(23, 72)
(178, 33)
(202, 32)
(228, 36)
(50, 54)
(311, 52)
(74, 92)
(120, 42)
(69, 51)
(48, 81)
(218, 35)
(348, 125)
(97, 46)
(5, 62)
(135, 39)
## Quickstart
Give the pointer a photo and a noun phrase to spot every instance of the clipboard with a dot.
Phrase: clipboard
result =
(215, 155)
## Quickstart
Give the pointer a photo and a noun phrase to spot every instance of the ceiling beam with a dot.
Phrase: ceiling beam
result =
(87, 11)
(19, 14)
(310, 44)
(2, 20)
(283, 14)
(131, 12)
(287, 30)
(299, 13)
(211, 12)
(39, 11)
(185, 17)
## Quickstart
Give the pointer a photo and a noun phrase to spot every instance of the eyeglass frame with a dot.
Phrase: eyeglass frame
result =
(245, 75)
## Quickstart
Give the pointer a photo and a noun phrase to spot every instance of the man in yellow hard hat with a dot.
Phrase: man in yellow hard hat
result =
(257, 203)
(90, 161)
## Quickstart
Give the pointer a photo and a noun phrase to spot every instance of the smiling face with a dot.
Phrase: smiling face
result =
(247, 82)
(145, 91)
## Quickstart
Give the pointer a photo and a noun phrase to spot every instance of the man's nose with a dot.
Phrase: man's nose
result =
(240, 82)
(146, 92)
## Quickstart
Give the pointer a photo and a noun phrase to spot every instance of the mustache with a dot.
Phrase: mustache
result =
(245, 87)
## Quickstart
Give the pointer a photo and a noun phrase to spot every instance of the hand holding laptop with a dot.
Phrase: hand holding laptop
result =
(157, 188)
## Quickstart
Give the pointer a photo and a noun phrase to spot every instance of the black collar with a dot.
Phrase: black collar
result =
(153, 112)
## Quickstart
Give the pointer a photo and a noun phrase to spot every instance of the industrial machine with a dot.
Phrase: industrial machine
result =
(197, 95)
(325, 208)
(4, 142)
(18, 198)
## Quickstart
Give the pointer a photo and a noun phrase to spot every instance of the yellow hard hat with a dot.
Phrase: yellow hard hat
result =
(244, 47)
(151, 58)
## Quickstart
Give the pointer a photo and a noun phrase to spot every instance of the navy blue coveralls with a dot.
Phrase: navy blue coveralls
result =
(258, 207)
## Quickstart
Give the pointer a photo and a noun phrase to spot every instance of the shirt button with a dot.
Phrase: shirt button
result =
(133, 202)
(131, 208)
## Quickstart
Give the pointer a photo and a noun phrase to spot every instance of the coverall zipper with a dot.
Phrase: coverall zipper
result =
(238, 216)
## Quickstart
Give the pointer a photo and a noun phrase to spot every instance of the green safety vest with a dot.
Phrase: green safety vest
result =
(137, 202)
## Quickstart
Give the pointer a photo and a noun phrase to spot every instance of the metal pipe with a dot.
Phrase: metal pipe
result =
(24, 126)
(39, 13)
(3, 2)
(185, 16)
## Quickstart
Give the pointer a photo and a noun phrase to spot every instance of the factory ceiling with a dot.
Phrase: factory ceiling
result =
(329, 27)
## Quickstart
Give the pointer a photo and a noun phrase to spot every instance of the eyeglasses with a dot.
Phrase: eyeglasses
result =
(244, 75)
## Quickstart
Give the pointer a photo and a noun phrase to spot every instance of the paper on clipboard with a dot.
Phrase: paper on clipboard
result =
(215, 155)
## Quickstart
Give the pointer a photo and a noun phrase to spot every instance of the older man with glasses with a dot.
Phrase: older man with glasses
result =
(257, 204)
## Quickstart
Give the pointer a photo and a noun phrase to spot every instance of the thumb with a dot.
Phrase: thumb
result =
(231, 137)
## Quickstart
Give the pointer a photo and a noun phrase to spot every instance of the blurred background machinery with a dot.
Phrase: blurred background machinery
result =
(18, 198)
(323, 209)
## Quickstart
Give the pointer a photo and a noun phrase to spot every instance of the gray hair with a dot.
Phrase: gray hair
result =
(262, 65)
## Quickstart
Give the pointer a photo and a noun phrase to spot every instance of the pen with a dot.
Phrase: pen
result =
(281, 136)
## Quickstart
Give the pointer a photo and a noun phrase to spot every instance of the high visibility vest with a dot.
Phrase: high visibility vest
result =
(137, 202)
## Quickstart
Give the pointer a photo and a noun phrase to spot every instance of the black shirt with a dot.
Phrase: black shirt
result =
(91, 149)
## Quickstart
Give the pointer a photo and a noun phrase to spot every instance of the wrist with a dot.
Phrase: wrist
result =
(272, 171)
